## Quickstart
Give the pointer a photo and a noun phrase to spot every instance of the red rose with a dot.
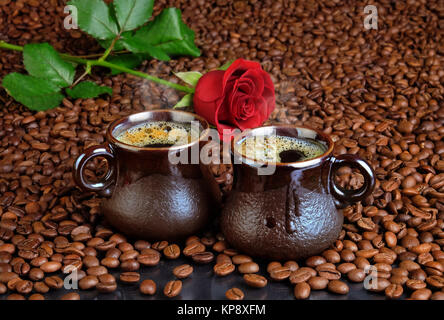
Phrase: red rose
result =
(240, 97)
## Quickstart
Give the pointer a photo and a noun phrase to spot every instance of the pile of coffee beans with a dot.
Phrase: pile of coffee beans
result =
(378, 93)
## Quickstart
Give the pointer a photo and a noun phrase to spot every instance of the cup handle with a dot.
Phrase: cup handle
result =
(346, 197)
(102, 187)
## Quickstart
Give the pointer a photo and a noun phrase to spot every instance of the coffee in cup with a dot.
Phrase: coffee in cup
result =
(280, 149)
(158, 134)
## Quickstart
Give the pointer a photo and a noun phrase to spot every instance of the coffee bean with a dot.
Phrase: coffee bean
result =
(255, 280)
(378, 285)
(421, 294)
(234, 294)
(41, 287)
(71, 296)
(241, 258)
(130, 265)
(302, 291)
(183, 271)
(51, 266)
(280, 273)
(223, 258)
(249, 267)
(5, 277)
(24, 286)
(435, 281)
(338, 287)
(172, 251)
(36, 296)
(129, 277)
(172, 288)
(110, 262)
(54, 282)
(300, 275)
(346, 267)
(356, 275)
(223, 269)
(317, 283)
(394, 291)
(328, 271)
(15, 296)
(195, 247)
(438, 295)
(203, 257)
(149, 257)
(273, 265)
(292, 265)
(88, 282)
(160, 245)
(148, 287)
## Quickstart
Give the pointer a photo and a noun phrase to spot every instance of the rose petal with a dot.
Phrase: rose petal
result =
(209, 87)
(238, 67)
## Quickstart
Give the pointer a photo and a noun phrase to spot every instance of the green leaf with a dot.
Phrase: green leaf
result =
(118, 46)
(137, 45)
(169, 33)
(94, 17)
(130, 61)
(87, 89)
(133, 13)
(186, 101)
(43, 61)
(36, 94)
(226, 65)
(191, 77)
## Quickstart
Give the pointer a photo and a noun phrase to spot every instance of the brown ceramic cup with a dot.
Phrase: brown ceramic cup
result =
(147, 196)
(292, 213)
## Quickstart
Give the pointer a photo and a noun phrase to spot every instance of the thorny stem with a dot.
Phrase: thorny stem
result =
(107, 64)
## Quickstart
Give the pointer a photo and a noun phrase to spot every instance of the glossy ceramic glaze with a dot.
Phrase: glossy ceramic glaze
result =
(292, 213)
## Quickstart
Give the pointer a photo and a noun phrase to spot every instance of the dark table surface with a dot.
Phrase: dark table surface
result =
(204, 285)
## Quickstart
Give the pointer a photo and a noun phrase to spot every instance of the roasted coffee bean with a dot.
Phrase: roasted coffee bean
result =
(148, 287)
(394, 291)
(249, 267)
(71, 296)
(88, 282)
(421, 294)
(255, 280)
(195, 247)
(378, 285)
(234, 294)
(415, 284)
(302, 291)
(280, 273)
(129, 277)
(203, 257)
(130, 265)
(356, 275)
(36, 296)
(172, 288)
(24, 286)
(54, 282)
(318, 283)
(111, 263)
(5, 277)
(160, 245)
(172, 251)
(96, 271)
(273, 265)
(300, 275)
(292, 265)
(223, 258)
(346, 267)
(315, 261)
(15, 296)
(41, 287)
(328, 271)
(338, 287)
(51, 266)
(241, 258)
(149, 257)
(183, 271)
(223, 269)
